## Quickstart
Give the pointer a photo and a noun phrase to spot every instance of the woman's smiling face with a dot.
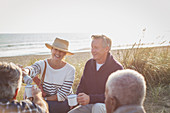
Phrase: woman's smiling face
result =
(57, 54)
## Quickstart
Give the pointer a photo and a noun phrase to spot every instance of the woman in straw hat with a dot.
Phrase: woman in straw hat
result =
(58, 77)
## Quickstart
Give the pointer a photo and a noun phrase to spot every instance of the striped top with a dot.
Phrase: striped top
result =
(57, 81)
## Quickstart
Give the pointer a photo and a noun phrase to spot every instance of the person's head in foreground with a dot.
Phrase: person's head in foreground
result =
(100, 47)
(10, 80)
(10, 83)
(125, 92)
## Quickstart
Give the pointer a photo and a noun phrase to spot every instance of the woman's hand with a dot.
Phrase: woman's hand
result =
(25, 72)
(27, 79)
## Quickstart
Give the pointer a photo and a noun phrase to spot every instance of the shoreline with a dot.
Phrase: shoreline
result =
(114, 48)
(29, 59)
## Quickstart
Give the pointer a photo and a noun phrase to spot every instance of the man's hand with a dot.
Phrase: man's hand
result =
(83, 99)
(38, 99)
(36, 92)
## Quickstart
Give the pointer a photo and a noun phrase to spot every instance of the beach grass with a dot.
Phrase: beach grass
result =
(153, 63)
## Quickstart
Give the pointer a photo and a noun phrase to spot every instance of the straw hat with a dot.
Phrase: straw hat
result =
(60, 44)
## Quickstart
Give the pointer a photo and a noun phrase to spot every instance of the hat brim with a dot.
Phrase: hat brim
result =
(51, 46)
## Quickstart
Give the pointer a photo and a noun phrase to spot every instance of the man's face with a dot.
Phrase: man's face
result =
(98, 51)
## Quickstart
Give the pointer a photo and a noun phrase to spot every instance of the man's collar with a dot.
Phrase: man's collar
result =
(107, 58)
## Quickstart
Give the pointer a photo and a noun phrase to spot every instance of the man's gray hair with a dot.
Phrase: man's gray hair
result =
(107, 42)
(10, 80)
(128, 86)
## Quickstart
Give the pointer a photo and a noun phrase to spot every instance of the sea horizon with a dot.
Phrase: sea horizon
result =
(21, 44)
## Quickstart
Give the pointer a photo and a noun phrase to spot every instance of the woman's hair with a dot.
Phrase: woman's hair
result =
(10, 80)
(107, 42)
(128, 86)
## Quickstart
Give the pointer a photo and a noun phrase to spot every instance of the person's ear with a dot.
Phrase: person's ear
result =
(16, 92)
(107, 49)
(114, 104)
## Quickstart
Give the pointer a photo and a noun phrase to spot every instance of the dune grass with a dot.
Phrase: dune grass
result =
(153, 63)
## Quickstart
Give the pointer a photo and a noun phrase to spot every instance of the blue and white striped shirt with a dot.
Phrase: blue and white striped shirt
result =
(57, 81)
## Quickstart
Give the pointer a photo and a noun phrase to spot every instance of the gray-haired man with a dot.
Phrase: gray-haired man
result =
(91, 88)
(125, 92)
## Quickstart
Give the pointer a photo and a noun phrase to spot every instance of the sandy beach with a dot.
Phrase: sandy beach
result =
(23, 60)
(29, 59)
(76, 58)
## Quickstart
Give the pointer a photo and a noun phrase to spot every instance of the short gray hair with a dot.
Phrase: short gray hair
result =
(128, 86)
(10, 80)
(107, 42)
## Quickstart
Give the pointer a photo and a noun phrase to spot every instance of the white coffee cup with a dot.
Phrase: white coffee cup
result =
(28, 90)
(72, 100)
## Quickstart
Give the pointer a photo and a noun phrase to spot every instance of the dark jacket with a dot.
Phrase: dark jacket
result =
(93, 82)
(130, 109)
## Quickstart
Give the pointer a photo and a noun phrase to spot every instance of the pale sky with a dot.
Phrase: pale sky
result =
(122, 20)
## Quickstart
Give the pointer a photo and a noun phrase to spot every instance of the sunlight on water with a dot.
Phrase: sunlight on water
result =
(34, 44)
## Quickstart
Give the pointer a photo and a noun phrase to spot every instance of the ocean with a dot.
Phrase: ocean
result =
(34, 43)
